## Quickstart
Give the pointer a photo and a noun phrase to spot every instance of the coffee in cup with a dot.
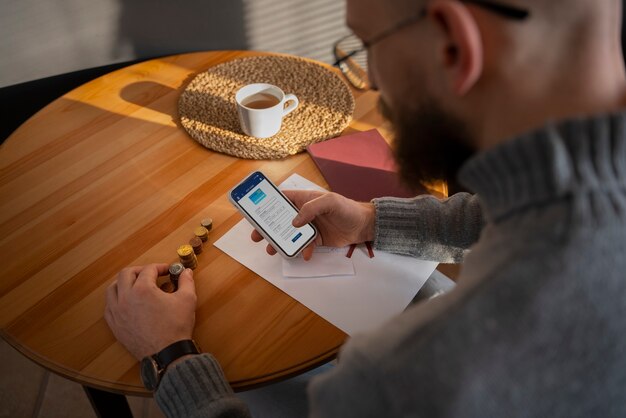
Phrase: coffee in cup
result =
(261, 109)
(260, 101)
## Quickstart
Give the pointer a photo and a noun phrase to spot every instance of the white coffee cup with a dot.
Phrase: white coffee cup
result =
(262, 107)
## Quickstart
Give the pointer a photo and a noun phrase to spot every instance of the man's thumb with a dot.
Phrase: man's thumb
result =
(302, 219)
(185, 281)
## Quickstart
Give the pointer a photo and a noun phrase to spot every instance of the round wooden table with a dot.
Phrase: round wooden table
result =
(104, 178)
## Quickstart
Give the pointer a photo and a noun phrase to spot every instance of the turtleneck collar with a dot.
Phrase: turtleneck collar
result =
(574, 158)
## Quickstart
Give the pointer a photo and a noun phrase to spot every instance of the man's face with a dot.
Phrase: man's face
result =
(430, 142)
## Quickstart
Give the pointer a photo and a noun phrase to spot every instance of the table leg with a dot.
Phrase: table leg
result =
(107, 404)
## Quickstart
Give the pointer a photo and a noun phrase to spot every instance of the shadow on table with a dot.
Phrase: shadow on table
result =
(149, 94)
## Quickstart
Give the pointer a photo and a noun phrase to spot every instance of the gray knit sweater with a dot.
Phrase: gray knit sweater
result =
(537, 324)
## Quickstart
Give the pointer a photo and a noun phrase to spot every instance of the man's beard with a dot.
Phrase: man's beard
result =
(430, 144)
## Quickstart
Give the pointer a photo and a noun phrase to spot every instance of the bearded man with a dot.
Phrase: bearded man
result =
(523, 103)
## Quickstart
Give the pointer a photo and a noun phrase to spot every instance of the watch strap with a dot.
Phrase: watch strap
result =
(175, 351)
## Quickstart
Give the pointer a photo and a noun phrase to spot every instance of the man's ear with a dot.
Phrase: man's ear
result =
(461, 52)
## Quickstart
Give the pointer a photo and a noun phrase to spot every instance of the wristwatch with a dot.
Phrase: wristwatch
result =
(153, 367)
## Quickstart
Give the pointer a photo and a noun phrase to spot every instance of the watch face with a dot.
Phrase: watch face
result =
(149, 373)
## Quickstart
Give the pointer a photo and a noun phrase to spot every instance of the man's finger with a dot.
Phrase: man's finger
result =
(151, 272)
(111, 295)
(108, 317)
(127, 277)
(270, 250)
(318, 206)
(300, 197)
(256, 237)
(307, 253)
(186, 284)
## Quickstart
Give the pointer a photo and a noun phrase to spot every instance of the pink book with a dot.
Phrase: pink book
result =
(359, 166)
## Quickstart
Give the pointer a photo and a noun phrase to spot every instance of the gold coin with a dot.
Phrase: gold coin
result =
(201, 232)
(185, 250)
(207, 223)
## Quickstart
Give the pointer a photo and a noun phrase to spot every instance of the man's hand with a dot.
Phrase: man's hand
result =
(340, 221)
(143, 317)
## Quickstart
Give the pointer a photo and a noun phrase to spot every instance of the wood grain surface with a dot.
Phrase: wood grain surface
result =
(103, 178)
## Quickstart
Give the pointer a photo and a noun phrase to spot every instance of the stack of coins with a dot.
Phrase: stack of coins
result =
(196, 244)
(187, 256)
(168, 287)
(175, 271)
(187, 253)
(202, 233)
(207, 223)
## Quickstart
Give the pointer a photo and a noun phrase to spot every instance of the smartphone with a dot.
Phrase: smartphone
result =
(271, 213)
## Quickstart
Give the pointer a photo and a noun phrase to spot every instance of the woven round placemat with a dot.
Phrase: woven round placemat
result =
(208, 110)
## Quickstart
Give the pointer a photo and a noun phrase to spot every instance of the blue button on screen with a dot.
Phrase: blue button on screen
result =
(298, 235)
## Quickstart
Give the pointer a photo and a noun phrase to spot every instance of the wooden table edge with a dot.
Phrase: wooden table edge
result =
(131, 390)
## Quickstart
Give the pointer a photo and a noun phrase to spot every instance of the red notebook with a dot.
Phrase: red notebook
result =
(359, 166)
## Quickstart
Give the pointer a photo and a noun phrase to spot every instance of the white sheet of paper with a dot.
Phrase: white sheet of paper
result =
(380, 289)
(326, 262)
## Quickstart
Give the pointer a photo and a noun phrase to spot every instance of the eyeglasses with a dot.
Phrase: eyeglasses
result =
(351, 52)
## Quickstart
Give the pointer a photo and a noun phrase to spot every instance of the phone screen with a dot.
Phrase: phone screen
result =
(272, 212)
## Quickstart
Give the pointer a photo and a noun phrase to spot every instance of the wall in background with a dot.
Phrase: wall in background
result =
(43, 38)
(307, 28)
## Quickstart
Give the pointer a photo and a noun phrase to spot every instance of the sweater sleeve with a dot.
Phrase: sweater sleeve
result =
(428, 228)
(196, 387)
